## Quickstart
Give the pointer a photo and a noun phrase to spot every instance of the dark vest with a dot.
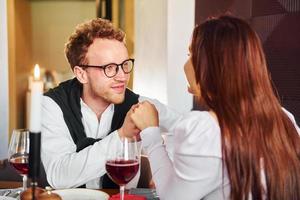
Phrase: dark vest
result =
(67, 96)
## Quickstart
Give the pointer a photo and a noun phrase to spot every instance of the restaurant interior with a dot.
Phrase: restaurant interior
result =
(34, 32)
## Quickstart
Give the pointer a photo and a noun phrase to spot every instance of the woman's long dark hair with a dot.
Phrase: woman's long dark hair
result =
(260, 145)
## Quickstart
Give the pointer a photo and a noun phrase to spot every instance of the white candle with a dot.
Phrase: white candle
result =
(30, 79)
(36, 101)
(28, 96)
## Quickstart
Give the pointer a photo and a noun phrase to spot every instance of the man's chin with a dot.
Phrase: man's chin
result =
(118, 99)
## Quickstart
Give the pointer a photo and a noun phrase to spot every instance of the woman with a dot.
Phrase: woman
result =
(245, 146)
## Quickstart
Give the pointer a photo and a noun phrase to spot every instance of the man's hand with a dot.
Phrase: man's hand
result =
(144, 115)
(128, 128)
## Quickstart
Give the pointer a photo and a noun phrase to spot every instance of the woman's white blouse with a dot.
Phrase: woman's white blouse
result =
(190, 166)
(196, 169)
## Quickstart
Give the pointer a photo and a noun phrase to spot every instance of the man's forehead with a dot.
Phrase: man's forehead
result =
(107, 51)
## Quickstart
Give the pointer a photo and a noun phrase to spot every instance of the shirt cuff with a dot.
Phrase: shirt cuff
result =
(151, 138)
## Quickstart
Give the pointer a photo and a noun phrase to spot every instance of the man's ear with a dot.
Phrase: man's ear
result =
(80, 74)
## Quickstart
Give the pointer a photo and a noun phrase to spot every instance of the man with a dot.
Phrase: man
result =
(83, 117)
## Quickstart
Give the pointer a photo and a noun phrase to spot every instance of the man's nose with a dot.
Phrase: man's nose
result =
(120, 73)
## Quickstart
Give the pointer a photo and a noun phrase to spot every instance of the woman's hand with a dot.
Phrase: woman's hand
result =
(144, 115)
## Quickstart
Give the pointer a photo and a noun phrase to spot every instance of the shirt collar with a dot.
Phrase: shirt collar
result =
(109, 109)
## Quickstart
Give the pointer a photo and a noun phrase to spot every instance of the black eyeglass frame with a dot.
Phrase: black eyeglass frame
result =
(117, 69)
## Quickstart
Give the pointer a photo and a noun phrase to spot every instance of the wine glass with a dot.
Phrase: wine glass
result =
(18, 153)
(122, 165)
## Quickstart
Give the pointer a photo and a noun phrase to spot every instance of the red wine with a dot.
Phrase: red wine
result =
(20, 164)
(122, 171)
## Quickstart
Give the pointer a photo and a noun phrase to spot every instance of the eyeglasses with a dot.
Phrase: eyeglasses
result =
(111, 69)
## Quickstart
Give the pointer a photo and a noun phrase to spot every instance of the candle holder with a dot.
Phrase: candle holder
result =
(34, 160)
(30, 192)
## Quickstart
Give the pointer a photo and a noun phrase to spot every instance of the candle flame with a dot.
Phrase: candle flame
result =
(36, 72)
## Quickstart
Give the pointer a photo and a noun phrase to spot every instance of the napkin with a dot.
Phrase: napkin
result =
(127, 197)
(149, 193)
(10, 192)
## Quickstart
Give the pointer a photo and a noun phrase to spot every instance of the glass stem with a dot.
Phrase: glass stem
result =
(24, 182)
(122, 191)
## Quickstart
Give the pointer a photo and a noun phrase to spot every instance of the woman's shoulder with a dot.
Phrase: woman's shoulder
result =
(292, 118)
(200, 121)
(198, 133)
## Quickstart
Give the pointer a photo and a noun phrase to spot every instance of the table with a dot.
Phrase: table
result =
(110, 192)
(10, 184)
(14, 184)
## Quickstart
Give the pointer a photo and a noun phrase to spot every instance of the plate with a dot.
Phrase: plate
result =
(81, 194)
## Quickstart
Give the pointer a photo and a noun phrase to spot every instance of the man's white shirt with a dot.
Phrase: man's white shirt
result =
(66, 168)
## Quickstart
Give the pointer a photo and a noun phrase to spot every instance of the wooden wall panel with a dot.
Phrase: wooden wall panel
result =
(277, 22)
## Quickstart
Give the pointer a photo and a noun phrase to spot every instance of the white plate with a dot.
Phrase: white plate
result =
(81, 194)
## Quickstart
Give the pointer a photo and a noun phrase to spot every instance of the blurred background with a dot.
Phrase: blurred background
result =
(158, 34)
